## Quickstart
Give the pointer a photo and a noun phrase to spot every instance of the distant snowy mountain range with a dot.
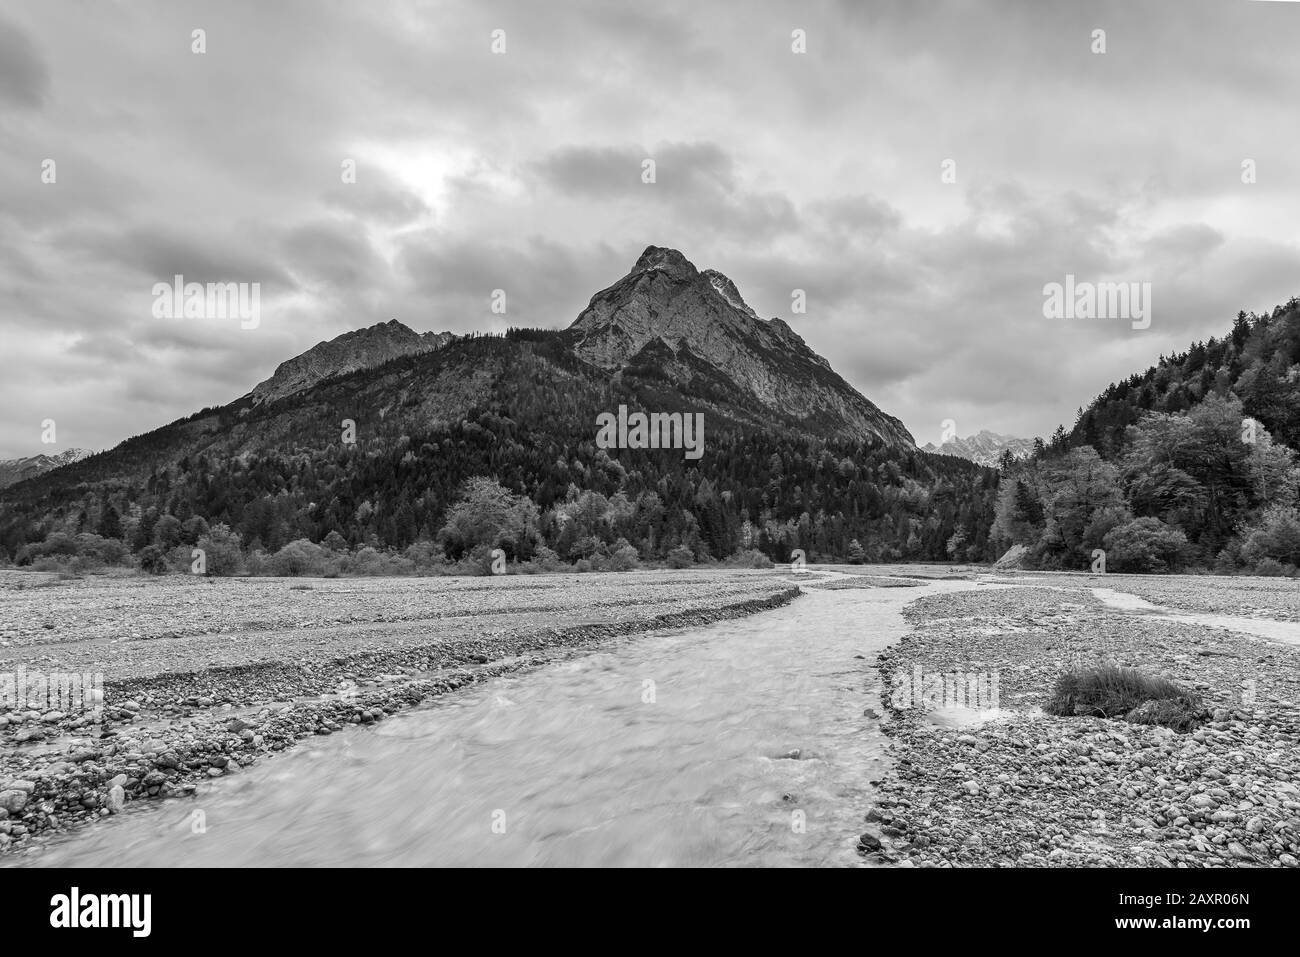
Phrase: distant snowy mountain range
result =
(16, 470)
(984, 447)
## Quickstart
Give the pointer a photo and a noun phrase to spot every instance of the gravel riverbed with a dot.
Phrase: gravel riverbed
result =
(1012, 786)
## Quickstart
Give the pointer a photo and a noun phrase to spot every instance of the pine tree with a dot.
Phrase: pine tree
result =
(110, 523)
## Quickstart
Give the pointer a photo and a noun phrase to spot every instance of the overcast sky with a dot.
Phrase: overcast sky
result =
(522, 171)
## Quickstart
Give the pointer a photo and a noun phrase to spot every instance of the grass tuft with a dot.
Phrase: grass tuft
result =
(1109, 691)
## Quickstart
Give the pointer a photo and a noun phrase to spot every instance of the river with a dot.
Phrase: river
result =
(747, 742)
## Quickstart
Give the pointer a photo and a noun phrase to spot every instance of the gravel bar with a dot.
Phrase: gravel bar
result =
(1012, 786)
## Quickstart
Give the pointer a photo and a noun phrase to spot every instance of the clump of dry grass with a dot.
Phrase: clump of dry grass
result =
(1110, 691)
(1183, 714)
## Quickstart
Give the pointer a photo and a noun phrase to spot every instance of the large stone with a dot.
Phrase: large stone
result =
(1013, 557)
(868, 842)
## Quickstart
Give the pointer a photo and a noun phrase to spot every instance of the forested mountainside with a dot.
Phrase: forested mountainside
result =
(1190, 464)
(504, 425)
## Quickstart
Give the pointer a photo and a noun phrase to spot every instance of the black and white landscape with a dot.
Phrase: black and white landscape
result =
(598, 434)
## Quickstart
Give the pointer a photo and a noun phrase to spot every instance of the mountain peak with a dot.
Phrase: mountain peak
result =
(668, 260)
(355, 349)
(670, 315)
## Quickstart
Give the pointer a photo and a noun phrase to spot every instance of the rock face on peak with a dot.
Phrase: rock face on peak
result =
(359, 349)
(17, 470)
(982, 448)
(666, 309)
(727, 289)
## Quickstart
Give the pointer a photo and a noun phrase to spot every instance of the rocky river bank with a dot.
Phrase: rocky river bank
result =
(1003, 784)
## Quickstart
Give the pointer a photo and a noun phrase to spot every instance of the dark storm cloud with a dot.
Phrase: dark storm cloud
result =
(24, 77)
(159, 252)
(697, 180)
(335, 253)
(685, 172)
(545, 283)
(592, 171)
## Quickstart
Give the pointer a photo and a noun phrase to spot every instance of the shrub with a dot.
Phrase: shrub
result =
(299, 557)
(51, 563)
(369, 561)
(1276, 535)
(544, 560)
(56, 544)
(425, 557)
(88, 549)
(110, 551)
(153, 559)
(681, 557)
(1270, 567)
(1227, 562)
(222, 551)
(750, 558)
(589, 546)
(623, 558)
(1145, 545)
(1110, 691)
(477, 562)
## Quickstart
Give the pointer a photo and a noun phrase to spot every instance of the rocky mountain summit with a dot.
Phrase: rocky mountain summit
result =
(359, 349)
(668, 313)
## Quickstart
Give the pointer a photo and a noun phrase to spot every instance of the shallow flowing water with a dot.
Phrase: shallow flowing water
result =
(740, 743)
(1272, 629)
